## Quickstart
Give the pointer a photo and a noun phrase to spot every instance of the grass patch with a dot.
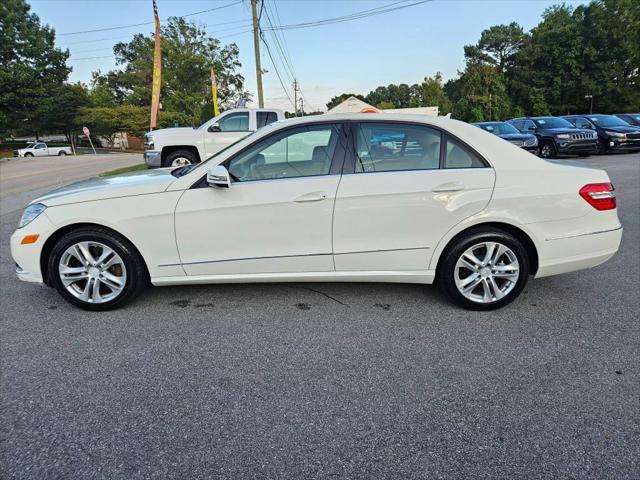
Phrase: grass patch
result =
(118, 171)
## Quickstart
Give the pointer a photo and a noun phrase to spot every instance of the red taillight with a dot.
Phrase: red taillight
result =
(600, 196)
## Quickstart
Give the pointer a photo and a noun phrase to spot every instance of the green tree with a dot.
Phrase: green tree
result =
(433, 94)
(58, 112)
(31, 67)
(188, 54)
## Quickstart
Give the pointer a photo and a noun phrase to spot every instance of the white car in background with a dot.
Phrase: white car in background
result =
(175, 147)
(40, 149)
(355, 197)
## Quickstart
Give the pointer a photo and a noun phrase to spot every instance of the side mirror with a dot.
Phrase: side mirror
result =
(215, 127)
(532, 128)
(218, 176)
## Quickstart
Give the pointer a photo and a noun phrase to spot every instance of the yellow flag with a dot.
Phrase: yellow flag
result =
(157, 67)
(214, 94)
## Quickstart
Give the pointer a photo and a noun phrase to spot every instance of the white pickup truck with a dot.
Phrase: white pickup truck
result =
(40, 149)
(171, 147)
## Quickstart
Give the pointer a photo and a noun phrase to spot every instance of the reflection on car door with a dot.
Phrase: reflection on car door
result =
(407, 186)
(277, 214)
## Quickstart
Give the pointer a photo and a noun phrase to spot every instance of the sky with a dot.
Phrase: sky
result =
(401, 46)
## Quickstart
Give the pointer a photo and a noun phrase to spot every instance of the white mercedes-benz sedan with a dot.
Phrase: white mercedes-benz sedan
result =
(354, 198)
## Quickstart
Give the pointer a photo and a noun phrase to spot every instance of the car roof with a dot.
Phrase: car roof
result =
(487, 123)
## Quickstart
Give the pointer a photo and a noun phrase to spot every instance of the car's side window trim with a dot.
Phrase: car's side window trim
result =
(353, 126)
(337, 161)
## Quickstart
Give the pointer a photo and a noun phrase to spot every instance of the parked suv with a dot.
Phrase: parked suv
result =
(557, 136)
(504, 130)
(614, 134)
(630, 118)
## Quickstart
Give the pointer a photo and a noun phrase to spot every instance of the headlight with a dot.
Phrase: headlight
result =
(31, 213)
(615, 134)
(563, 136)
(531, 142)
(148, 140)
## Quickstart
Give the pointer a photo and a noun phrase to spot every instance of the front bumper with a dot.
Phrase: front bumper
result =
(152, 158)
(623, 144)
(27, 257)
(575, 147)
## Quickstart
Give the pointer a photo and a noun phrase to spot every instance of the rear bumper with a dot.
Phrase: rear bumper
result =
(577, 252)
(152, 158)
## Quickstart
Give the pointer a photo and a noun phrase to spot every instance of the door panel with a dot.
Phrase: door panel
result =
(257, 227)
(409, 185)
(396, 218)
(277, 215)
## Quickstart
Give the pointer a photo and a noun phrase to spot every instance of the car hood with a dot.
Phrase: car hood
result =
(175, 132)
(567, 130)
(515, 136)
(622, 129)
(101, 188)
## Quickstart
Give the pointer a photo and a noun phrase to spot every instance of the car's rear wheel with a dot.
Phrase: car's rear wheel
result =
(96, 269)
(61, 153)
(547, 150)
(484, 270)
(179, 158)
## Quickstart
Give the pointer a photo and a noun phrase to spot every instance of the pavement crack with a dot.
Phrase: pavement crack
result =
(326, 295)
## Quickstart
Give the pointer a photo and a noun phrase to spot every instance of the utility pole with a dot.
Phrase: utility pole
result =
(590, 97)
(256, 47)
(302, 106)
(295, 95)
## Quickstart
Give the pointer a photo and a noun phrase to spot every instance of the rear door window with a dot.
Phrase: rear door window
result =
(388, 147)
(459, 156)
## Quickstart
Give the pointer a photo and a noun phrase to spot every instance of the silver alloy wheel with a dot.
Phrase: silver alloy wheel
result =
(92, 272)
(180, 161)
(545, 150)
(487, 272)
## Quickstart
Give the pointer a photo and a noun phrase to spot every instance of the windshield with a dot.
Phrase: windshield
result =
(552, 122)
(608, 121)
(499, 128)
(31, 145)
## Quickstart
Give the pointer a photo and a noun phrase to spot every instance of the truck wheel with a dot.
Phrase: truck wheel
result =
(547, 150)
(179, 158)
(61, 153)
(28, 154)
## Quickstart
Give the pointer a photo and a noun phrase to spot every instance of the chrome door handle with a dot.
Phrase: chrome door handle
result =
(311, 197)
(449, 187)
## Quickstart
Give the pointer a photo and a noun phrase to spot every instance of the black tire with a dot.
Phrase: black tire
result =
(548, 149)
(61, 153)
(137, 277)
(28, 154)
(445, 277)
(185, 154)
(601, 148)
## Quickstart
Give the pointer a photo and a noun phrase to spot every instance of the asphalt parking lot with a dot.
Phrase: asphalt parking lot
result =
(329, 380)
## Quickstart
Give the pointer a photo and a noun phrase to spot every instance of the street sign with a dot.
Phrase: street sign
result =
(85, 130)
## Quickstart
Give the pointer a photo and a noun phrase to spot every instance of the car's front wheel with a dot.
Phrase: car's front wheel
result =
(547, 150)
(179, 158)
(96, 269)
(484, 269)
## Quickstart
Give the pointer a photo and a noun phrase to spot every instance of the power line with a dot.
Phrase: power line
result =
(145, 23)
(354, 16)
(276, 70)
